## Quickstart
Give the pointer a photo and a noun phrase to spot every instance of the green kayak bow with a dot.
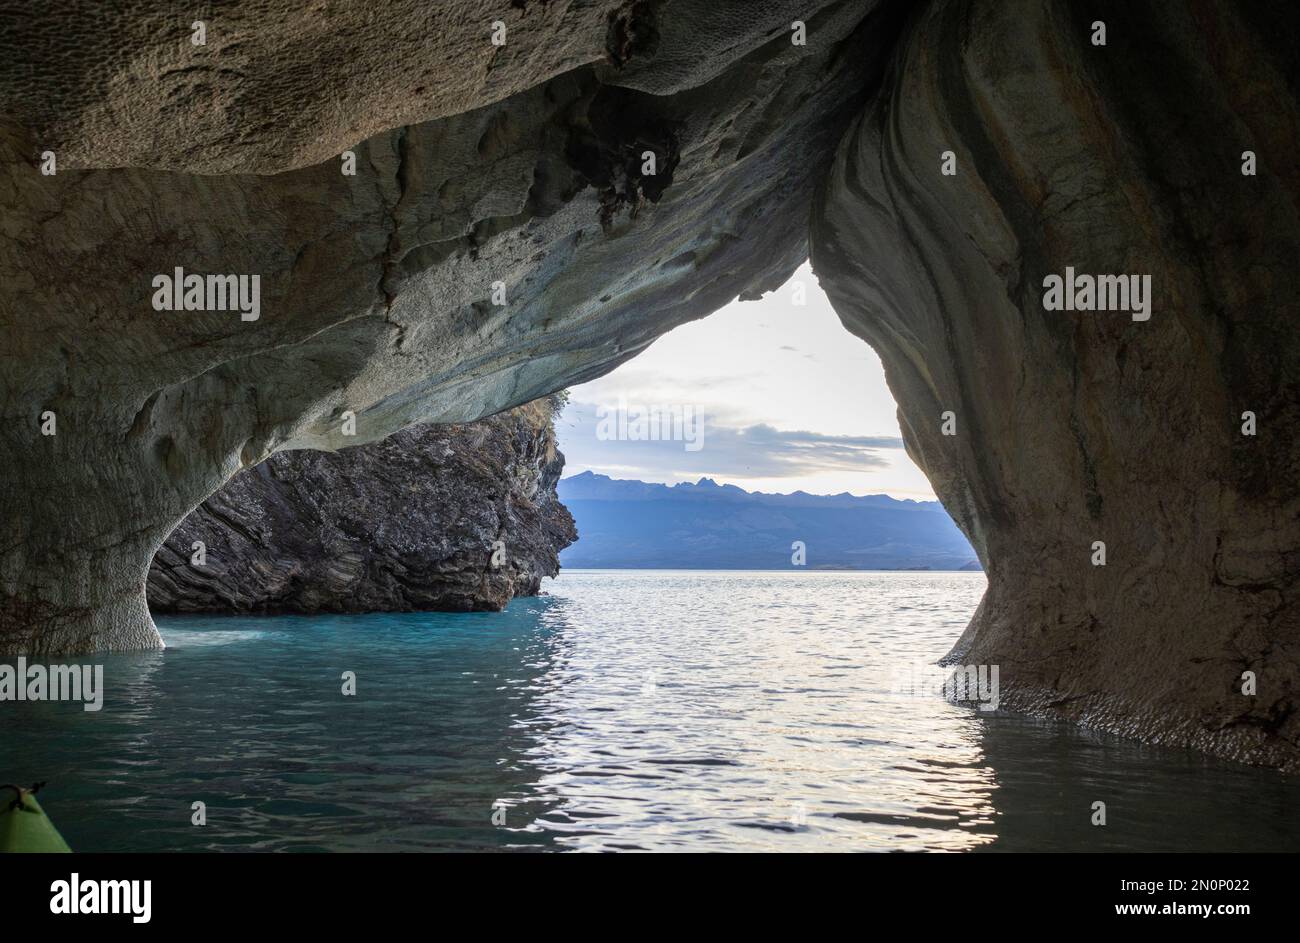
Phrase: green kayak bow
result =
(24, 826)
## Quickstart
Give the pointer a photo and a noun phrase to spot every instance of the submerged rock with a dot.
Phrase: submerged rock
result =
(457, 517)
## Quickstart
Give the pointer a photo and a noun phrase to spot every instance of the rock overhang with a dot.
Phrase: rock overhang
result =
(471, 263)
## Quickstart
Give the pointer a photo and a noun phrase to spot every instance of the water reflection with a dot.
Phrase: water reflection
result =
(248, 716)
(634, 710)
(754, 711)
(1157, 799)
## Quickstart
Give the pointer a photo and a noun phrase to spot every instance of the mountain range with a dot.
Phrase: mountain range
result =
(643, 525)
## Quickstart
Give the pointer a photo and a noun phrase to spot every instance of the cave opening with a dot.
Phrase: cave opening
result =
(936, 170)
(769, 401)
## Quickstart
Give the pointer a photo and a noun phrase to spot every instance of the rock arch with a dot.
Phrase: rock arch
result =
(514, 164)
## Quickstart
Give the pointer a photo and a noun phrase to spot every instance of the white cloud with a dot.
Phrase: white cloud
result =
(728, 451)
(792, 401)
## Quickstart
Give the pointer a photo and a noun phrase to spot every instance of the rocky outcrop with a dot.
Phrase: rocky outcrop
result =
(1081, 427)
(456, 517)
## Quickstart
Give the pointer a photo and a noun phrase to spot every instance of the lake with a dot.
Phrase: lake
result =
(626, 710)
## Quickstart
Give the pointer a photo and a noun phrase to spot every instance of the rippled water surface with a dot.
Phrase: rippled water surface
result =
(627, 710)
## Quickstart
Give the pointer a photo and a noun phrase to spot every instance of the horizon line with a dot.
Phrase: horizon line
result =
(775, 494)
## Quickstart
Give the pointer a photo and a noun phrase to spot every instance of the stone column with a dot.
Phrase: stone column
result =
(1080, 428)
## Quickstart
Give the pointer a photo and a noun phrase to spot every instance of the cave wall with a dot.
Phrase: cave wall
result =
(377, 290)
(277, 85)
(517, 165)
(1075, 427)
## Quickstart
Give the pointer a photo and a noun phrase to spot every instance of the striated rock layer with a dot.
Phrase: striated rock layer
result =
(456, 517)
(1076, 427)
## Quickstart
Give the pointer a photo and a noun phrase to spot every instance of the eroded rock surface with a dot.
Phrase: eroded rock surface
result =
(1082, 427)
(264, 87)
(456, 517)
(378, 290)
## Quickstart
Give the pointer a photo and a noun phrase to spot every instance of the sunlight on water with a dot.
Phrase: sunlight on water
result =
(753, 710)
(180, 638)
(628, 710)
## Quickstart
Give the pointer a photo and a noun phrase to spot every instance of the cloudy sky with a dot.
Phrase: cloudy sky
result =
(788, 399)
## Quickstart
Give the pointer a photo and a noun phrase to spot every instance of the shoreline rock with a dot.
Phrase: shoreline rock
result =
(408, 523)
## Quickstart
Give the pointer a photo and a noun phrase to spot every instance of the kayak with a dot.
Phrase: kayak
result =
(24, 826)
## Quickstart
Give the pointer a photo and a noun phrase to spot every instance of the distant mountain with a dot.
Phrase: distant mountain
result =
(636, 524)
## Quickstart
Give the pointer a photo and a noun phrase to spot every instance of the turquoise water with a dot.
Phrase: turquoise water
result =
(627, 710)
